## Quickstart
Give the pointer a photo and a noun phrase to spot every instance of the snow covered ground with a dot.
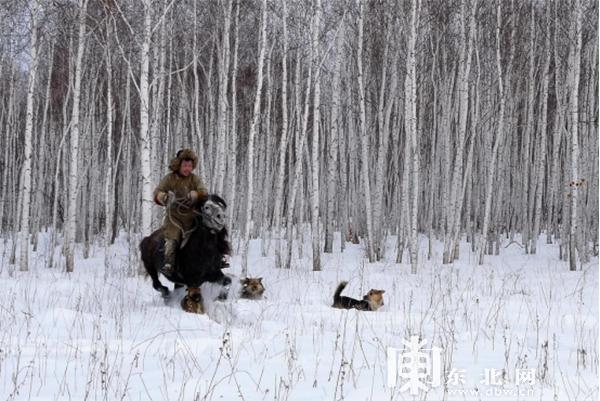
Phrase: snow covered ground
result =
(101, 334)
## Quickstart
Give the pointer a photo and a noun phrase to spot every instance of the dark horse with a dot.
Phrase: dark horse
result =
(201, 258)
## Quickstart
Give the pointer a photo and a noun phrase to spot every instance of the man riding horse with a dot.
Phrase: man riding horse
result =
(178, 191)
(191, 247)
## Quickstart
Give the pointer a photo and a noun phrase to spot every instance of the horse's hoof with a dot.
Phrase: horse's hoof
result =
(164, 291)
(226, 281)
(224, 293)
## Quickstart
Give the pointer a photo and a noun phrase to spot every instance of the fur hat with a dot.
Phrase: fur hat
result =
(183, 154)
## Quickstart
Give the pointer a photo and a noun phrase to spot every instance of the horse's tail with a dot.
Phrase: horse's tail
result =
(148, 249)
(147, 244)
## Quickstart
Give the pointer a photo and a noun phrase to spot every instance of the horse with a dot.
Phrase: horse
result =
(200, 258)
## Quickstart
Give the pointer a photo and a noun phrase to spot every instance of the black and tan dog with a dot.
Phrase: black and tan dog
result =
(370, 302)
(192, 302)
(252, 288)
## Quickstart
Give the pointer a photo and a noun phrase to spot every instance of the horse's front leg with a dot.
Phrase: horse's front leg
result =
(217, 277)
(156, 284)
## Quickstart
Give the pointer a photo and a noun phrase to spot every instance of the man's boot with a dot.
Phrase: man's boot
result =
(170, 249)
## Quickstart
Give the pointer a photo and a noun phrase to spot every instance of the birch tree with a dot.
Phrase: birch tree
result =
(233, 152)
(333, 145)
(497, 141)
(224, 58)
(527, 193)
(145, 140)
(466, 48)
(71, 223)
(316, 249)
(301, 128)
(25, 187)
(108, 186)
(253, 129)
(284, 139)
(364, 136)
(540, 161)
(410, 89)
(574, 71)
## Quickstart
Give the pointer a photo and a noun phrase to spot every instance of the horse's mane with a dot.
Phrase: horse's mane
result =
(222, 236)
(203, 233)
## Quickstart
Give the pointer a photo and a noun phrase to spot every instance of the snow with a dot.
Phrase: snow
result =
(101, 333)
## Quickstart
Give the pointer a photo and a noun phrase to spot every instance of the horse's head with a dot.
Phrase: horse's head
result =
(213, 212)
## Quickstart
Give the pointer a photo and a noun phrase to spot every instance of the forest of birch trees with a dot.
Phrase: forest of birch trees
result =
(428, 121)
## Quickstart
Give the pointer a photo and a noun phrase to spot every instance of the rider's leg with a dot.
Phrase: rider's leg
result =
(172, 235)
(170, 252)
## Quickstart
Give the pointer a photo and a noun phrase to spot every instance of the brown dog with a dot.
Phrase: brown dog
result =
(192, 302)
(370, 302)
(252, 288)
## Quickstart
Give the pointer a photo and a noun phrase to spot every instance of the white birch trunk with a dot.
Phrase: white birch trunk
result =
(316, 249)
(301, 128)
(455, 207)
(199, 133)
(44, 162)
(364, 138)
(499, 139)
(57, 193)
(108, 189)
(71, 222)
(145, 140)
(410, 89)
(25, 187)
(222, 118)
(574, 75)
(265, 177)
(404, 199)
(541, 160)
(283, 143)
(379, 230)
(383, 121)
(232, 159)
(252, 134)
(527, 193)
(332, 168)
